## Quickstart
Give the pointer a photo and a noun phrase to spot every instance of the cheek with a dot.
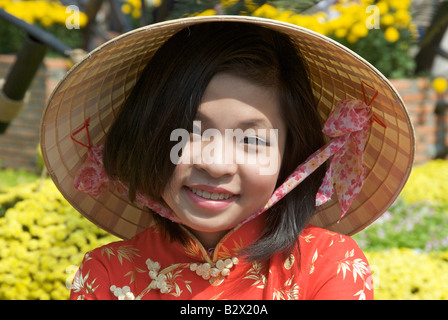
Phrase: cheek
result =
(261, 179)
(259, 186)
(171, 191)
(268, 164)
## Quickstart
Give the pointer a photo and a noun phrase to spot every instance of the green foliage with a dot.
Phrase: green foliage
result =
(295, 5)
(421, 225)
(419, 219)
(183, 8)
(10, 177)
(11, 38)
(391, 58)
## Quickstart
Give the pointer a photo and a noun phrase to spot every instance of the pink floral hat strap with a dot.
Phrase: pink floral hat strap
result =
(93, 180)
(348, 125)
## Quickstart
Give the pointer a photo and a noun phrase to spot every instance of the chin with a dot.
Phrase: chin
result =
(205, 225)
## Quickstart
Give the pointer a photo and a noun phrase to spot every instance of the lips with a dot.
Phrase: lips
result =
(211, 195)
(210, 198)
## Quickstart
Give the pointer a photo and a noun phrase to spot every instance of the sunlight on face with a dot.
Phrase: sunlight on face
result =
(211, 197)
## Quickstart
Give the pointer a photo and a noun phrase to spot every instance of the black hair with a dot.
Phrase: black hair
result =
(167, 96)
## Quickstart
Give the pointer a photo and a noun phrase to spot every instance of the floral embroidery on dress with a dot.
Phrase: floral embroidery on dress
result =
(164, 280)
(289, 262)
(307, 237)
(289, 291)
(122, 252)
(255, 273)
(359, 270)
(320, 270)
(80, 283)
(315, 255)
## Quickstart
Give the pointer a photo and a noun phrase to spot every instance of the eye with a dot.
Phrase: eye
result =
(255, 141)
(196, 130)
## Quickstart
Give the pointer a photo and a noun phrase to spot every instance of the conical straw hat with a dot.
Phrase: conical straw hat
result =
(97, 86)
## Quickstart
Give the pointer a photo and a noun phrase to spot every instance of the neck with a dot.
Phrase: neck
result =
(208, 239)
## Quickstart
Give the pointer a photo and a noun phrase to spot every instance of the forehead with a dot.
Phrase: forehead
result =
(230, 99)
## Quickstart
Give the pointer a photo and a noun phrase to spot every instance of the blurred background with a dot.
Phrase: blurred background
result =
(43, 239)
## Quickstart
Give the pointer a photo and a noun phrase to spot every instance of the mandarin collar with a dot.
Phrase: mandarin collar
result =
(237, 239)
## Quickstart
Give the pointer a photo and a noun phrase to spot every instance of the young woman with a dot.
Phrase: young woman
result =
(215, 223)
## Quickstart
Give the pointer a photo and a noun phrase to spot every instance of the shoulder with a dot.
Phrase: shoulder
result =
(335, 265)
(322, 250)
(107, 265)
(123, 250)
(325, 240)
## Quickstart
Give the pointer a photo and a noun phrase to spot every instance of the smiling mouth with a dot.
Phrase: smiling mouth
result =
(211, 195)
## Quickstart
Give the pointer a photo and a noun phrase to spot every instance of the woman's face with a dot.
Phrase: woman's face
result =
(229, 168)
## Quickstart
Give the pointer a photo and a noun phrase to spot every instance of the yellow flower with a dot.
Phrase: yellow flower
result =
(352, 38)
(40, 236)
(359, 29)
(250, 5)
(82, 20)
(285, 16)
(387, 20)
(209, 12)
(135, 3)
(45, 12)
(402, 17)
(228, 3)
(439, 84)
(126, 8)
(399, 4)
(428, 182)
(406, 274)
(340, 33)
(136, 13)
(383, 7)
(266, 11)
(391, 34)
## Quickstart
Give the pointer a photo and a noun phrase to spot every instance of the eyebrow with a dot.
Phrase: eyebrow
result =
(247, 123)
(255, 123)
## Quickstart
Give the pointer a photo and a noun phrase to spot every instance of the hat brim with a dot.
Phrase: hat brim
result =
(97, 86)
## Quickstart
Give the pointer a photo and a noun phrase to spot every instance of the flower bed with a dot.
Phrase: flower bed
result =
(408, 246)
(382, 31)
(42, 240)
(408, 274)
(428, 182)
(419, 218)
(383, 39)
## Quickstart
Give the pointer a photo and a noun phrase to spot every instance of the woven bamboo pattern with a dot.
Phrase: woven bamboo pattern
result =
(97, 86)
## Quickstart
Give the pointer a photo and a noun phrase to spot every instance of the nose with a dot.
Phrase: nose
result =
(217, 170)
(215, 161)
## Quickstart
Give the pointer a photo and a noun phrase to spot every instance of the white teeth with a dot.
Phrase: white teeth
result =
(211, 195)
